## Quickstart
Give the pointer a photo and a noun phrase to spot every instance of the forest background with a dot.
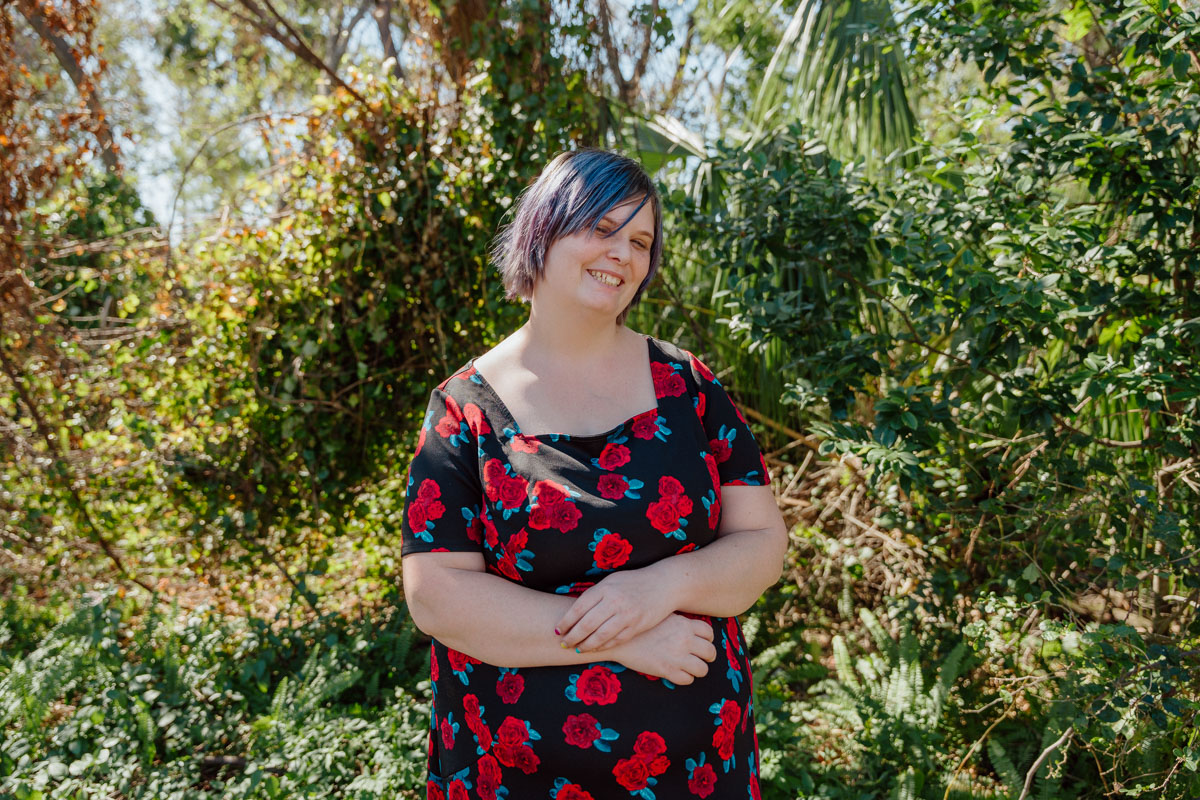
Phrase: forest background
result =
(945, 252)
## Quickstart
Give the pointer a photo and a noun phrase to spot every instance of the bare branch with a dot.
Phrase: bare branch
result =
(614, 57)
(383, 21)
(289, 37)
(639, 66)
(86, 88)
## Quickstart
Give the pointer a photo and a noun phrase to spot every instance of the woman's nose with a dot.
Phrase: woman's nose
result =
(618, 249)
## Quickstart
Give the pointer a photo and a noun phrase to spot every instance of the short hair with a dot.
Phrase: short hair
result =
(573, 193)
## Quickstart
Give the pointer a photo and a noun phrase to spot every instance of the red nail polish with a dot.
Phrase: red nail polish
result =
(557, 632)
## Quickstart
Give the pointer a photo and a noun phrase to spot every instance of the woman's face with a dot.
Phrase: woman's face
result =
(598, 271)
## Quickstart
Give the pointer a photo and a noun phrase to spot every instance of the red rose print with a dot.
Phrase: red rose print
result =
(612, 486)
(459, 661)
(512, 732)
(720, 449)
(687, 548)
(649, 744)
(514, 492)
(483, 734)
(670, 487)
(713, 474)
(663, 516)
(714, 515)
(433, 663)
(447, 734)
(597, 686)
(433, 791)
(644, 426)
(571, 791)
(549, 493)
(458, 791)
(581, 730)
(701, 405)
(426, 506)
(659, 765)
(475, 419)
(522, 757)
(471, 705)
(704, 371)
(509, 687)
(723, 741)
(523, 444)
(552, 508)
(493, 472)
(448, 426)
(667, 382)
(512, 551)
(683, 505)
(490, 534)
(420, 442)
(730, 713)
(703, 780)
(510, 492)
(613, 456)
(631, 773)
(564, 517)
(489, 777)
(755, 792)
(612, 551)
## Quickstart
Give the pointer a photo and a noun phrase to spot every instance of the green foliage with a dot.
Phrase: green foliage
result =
(884, 724)
(336, 320)
(108, 704)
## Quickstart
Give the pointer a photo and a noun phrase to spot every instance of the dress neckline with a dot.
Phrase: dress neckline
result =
(579, 437)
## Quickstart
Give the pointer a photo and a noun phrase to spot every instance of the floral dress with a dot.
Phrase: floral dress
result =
(557, 513)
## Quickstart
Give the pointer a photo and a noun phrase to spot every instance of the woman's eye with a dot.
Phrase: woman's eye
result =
(641, 244)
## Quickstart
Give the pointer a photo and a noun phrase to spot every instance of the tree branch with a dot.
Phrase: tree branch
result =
(614, 57)
(289, 37)
(87, 91)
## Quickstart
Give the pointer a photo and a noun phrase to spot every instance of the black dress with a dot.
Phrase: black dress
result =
(556, 513)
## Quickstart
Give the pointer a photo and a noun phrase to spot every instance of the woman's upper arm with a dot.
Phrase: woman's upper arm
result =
(441, 527)
(751, 508)
(427, 575)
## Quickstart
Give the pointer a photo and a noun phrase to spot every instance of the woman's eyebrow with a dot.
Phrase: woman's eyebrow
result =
(616, 223)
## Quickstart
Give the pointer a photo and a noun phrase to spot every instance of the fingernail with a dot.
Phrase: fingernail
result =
(576, 649)
(557, 632)
(564, 646)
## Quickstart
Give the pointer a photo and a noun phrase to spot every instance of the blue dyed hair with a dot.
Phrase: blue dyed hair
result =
(572, 194)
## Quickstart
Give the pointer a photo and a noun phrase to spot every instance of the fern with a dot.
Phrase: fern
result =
(1004, 766)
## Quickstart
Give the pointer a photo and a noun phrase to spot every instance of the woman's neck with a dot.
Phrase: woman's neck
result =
(558, 336)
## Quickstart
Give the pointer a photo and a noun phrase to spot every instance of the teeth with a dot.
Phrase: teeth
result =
(606, 279)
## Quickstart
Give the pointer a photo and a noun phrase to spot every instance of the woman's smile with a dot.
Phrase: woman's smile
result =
(607, 278)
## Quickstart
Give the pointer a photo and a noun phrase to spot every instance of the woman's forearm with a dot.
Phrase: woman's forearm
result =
(727, 576)
(490, 618)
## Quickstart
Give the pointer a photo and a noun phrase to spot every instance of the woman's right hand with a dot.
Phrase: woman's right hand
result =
(678, 649)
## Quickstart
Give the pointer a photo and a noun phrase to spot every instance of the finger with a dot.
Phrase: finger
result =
(706, 651)
(697, 666)
(702, 629)
(681, 677)
(603, 636)
(585, 627)
(583, 604)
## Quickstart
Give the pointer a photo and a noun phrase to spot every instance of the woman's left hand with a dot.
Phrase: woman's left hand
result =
(618, 608)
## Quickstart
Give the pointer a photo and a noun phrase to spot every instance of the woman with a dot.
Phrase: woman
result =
(587, 513)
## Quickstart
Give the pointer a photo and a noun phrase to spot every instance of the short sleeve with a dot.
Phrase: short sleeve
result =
(443, 497)
(739, 461)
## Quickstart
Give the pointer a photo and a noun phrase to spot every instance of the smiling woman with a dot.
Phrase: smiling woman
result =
(587, 513)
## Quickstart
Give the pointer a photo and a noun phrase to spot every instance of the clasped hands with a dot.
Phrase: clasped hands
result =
(632, 614)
